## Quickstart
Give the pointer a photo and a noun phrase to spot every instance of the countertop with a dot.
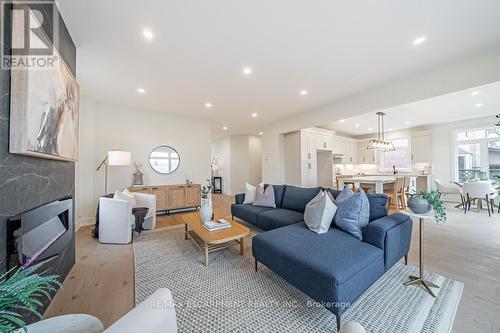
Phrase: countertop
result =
(357, 175)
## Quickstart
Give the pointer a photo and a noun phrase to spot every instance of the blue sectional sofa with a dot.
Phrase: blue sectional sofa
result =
(333, 268)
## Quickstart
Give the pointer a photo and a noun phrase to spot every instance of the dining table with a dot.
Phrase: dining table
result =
(377, 181)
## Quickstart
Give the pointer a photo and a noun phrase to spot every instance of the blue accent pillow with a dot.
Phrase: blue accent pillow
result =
(353, 212)
(345, 193)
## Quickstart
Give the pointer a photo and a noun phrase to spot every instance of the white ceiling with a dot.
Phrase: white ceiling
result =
(461, 105)
(331, 48)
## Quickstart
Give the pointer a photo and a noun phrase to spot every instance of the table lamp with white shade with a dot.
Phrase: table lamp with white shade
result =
(114, 158)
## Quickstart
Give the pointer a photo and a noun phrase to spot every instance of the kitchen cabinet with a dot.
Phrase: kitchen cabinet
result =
(301, 149)
(347, 147)
(365, 156)
(421, 147)
(323, 142)
(309, 174)
(308, 145)
(351, 155)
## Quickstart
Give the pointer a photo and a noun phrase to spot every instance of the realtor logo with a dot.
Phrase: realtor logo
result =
(29, 30)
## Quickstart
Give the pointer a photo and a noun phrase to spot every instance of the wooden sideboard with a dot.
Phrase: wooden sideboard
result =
(172, 197)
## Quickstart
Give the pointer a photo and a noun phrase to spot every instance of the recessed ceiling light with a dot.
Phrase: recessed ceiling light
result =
(474, 93)
(341, 120)
(261, 133)
(224, 128)
(419, 40)
(478, 105)
(141, 91)
(208, 105)
(254, 115)
(407, 122)
(247, 70)
(370, 129)
(148, 34)
(304, 92)
(357, 125)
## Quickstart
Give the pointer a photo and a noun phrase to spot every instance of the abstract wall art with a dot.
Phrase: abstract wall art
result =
(44, 111)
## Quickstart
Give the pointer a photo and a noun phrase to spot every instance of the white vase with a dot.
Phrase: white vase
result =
(206, 210)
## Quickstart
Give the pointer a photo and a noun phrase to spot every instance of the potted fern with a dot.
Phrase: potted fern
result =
(22, 292)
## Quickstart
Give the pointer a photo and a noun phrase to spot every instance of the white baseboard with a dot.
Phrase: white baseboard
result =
(83, 221)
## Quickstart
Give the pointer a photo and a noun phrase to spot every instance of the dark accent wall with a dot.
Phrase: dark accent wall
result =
(28, 182)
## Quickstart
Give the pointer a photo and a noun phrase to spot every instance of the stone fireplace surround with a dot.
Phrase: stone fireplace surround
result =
(28, 182)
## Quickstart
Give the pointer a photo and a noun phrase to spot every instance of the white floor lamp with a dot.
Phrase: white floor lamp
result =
(114, 158)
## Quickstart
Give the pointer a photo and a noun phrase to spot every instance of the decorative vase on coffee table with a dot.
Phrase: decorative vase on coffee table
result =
(206, 210)
(419, 205)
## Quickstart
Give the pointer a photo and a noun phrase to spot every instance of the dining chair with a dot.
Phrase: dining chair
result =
(479, 191)
(406, 189)
(450, 189)
(395, 194)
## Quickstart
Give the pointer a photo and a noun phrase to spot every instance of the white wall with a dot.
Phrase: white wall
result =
(459, 75)
(86, 164)
(241, 156)
(222, 148)
(114, 127)
(255, 159)
(240, 168)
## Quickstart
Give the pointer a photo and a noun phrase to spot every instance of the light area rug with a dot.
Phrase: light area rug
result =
(229, 296)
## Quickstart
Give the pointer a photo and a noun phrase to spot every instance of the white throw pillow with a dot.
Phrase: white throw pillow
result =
(128, 193)
(125, 197)
(250, 194)
(319, 213)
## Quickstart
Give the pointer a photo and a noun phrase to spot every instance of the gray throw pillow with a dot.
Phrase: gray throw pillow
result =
(319, 212)
(353, 213)
(265, 198)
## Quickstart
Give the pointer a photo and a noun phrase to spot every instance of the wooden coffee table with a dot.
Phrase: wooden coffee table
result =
(210, 241)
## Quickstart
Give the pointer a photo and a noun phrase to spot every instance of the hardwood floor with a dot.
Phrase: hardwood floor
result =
(466, 248)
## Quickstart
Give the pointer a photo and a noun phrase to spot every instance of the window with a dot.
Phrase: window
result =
(477, 154)
(399, 157)
(471, 135)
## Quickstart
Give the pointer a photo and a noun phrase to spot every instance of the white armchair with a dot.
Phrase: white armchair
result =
(116, 219)
(447, 188)
(147, 200)
(155, 314)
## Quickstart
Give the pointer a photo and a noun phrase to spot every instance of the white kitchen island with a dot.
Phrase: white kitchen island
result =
(378, 181)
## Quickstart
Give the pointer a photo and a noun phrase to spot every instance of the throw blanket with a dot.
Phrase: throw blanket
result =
(138, 212)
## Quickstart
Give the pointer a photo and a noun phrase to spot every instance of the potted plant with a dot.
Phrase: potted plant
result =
(422, 202)
(21, 292)
(206, 211)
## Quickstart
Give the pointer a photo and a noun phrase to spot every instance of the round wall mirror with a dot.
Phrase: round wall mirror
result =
(164, 159)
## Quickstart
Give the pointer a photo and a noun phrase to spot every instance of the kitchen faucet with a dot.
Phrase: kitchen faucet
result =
(394, 171)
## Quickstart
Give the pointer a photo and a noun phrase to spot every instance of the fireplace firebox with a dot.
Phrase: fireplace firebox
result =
(39, 233)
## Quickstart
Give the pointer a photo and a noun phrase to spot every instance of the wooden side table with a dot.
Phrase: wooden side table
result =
(419, 280)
